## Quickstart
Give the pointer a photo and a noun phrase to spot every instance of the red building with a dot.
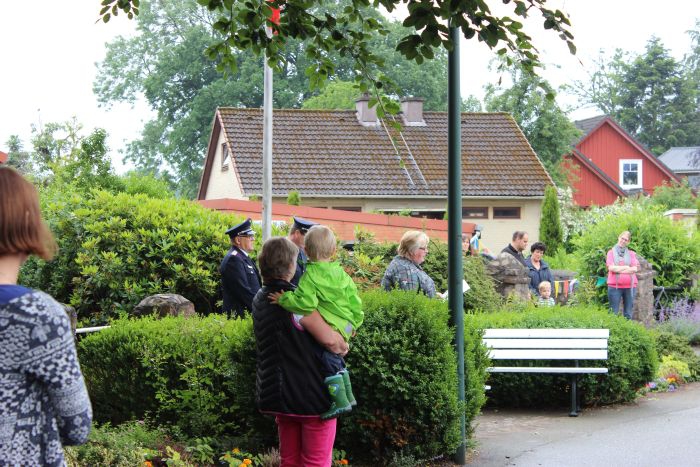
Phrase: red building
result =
(608, 163)
(3, 157)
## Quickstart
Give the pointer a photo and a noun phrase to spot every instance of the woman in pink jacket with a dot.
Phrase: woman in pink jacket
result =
(622, 266)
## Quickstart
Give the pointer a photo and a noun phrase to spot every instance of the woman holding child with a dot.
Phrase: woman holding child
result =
(404, 271)
(301, 376)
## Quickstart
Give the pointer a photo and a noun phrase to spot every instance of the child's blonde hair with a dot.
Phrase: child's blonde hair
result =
(544, 285)
(319, 243)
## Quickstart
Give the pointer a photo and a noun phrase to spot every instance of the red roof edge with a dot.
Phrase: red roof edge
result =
(598, 172)
(3, 157)
(284, 212)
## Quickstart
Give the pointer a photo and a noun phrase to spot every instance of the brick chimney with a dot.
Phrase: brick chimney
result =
(365, 115)
(412, 111)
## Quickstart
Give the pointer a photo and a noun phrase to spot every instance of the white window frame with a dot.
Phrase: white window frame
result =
(639, 173)
(225, 156)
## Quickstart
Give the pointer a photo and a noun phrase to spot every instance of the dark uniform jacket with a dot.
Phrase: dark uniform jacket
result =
(240, 281)
(302, 259)
(288, 378)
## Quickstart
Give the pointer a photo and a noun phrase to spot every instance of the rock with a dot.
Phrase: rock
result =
(165, 304)
(510, 276)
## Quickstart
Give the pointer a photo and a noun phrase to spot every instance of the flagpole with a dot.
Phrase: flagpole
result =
(267, 150)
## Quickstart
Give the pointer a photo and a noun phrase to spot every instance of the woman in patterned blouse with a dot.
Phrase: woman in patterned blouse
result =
(404, 271)
(43, 400)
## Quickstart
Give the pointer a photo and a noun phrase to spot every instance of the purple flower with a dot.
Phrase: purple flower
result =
(652, 385)
(671, 387)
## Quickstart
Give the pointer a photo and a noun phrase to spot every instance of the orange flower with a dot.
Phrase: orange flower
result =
(247, 461)
(148, 464)
(344, 462)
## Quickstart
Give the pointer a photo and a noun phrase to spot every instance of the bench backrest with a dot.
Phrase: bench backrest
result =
(547, 344)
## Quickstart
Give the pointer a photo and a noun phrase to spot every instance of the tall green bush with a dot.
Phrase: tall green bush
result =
(632, 358)
(114, 250)
(551, 232)
(672, 254)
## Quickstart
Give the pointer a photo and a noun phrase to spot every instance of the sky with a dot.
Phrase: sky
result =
(48, 56)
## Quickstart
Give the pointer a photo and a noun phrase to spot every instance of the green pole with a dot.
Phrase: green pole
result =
(454, 228)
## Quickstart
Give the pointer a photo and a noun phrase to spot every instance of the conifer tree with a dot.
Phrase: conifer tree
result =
(550, 225)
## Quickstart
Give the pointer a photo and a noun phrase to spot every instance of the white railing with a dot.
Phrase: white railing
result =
(92, 329)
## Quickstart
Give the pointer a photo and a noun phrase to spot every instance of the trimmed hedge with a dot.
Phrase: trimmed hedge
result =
(198, 375)
(632, 359)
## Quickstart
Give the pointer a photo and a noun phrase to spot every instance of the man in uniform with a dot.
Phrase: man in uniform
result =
(296, 235)
(240, 279)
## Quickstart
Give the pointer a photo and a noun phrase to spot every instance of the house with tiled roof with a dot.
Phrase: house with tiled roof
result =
(685, 163)
(353, 161)
(3, 157)
(608, 163)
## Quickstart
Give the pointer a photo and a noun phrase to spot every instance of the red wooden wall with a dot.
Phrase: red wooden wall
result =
(606, 146)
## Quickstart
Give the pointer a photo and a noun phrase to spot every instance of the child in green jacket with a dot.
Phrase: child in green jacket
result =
(326, 287)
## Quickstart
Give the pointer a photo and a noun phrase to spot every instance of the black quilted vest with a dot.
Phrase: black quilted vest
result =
(288, 379)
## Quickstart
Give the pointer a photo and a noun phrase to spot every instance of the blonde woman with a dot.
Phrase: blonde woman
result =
(404, 271)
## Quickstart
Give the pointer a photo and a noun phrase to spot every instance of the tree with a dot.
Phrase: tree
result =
(242, 26)
(165, 63)
(545, 125)
(19, 158)
(674, 195)
(336, 95)
(652, 96)
(551, 233)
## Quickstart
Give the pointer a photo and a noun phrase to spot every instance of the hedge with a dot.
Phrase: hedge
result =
(197, 375)
(632, 359)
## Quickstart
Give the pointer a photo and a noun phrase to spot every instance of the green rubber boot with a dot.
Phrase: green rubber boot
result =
(348, 388)
(340, 403)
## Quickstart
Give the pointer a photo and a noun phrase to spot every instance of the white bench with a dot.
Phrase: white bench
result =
(549, 344)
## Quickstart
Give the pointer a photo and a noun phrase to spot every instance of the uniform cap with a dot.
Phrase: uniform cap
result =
(303, 225)
(244, 228)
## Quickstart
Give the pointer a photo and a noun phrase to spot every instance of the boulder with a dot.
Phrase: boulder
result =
(165, 304)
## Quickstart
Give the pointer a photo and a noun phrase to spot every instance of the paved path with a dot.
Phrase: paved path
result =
(661, 429)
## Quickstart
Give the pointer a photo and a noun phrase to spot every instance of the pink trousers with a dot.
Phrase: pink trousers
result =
(305, 441)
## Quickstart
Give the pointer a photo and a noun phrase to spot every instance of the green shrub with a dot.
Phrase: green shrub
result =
(632, 359)
(674, 195)
(117, 249)
(404, 368)
(198, 375)
(671, 344)
(294, 198)
(673, 255)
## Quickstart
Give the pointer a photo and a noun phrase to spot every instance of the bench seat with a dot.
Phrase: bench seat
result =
(570, 345)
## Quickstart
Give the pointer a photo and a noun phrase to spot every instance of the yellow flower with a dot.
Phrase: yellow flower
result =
(236, 451)
(247, 461)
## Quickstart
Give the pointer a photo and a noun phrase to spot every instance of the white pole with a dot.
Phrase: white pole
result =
(267, 151)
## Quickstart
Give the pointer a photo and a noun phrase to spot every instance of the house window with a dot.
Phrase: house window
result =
(225, 157)
(348, 208)
(475, 213)
(630, 173)
(506, 213)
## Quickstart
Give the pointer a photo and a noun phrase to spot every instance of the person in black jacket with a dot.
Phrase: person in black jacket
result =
(517, 246)
(289, 381)
(240, 279)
